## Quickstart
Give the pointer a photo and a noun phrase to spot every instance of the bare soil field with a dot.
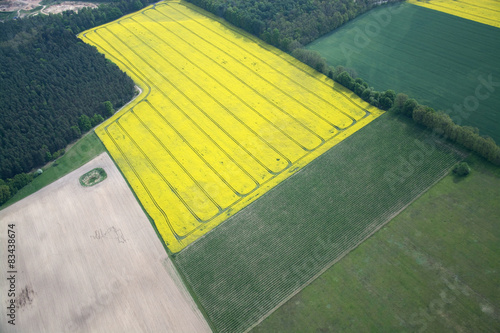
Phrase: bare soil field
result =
(88, 260)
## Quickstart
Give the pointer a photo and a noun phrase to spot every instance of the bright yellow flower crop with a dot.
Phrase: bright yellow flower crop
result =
(222, 117)
(483, 11)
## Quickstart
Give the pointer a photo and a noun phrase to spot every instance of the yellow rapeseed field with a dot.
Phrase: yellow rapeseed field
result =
(222, 117)
(483, 11)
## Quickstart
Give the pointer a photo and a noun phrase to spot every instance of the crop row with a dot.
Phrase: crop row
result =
(250, 265)
(223, 120)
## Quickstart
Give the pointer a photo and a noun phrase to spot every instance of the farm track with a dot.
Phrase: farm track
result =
(209, 136)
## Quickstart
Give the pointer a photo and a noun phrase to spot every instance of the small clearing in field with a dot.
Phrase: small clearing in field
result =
(87, 259)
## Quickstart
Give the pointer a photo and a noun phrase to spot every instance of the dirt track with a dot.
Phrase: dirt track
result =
(88, 260)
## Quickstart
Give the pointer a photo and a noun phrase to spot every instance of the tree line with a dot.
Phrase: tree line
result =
(288, 24)
(54, 87)
(439, 122)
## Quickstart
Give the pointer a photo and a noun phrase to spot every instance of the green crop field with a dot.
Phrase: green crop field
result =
(259, 257)
(433, 268)
(442, 60)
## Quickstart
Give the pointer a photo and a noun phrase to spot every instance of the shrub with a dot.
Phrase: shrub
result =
(4, 193)
(84, 123)
(346, 80)
(461, 169)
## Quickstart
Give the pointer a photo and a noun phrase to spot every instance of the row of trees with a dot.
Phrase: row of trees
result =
(439, 122)
(467, 136)
(288, 24)
(345, 76)
(11, 186)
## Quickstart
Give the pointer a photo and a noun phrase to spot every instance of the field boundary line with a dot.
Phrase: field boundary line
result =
(170, 254)
(343, 254)
(291, 172)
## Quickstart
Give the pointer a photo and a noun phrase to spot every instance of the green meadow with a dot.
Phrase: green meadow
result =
(433, 268)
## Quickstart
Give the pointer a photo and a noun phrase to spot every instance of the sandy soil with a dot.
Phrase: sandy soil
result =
(88, 260)
(14, 5)
(17, 5)
(67, 5)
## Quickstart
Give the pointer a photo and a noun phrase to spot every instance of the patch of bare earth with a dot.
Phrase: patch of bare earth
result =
(88, 260)
(68, 5)
(14, 5)
(26, 5)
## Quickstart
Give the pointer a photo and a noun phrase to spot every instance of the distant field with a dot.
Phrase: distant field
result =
(247, 266)
(483, 11)
(437, 58)
(433, 268)
(221, 119)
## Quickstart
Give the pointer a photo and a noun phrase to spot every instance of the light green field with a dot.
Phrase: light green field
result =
(255, 260)
(434, 268)
(437, 58)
